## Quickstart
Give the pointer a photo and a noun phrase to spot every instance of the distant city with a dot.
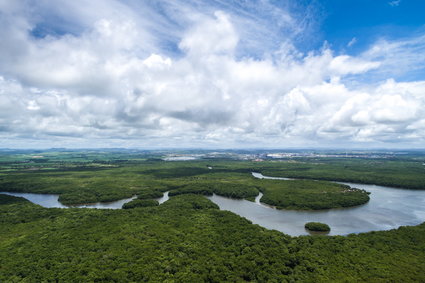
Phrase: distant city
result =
(276, 155)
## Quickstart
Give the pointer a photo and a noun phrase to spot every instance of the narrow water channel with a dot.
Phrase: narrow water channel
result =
(164, 198)
(51, 200)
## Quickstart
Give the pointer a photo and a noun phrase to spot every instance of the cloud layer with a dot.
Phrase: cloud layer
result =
(114, 73)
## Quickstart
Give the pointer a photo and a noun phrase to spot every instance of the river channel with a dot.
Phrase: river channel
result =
(388, 208)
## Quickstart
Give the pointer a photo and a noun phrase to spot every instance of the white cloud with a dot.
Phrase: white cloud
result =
(112, 83)
(344, 65)
(397, 58)
(211, 36)
(352, 42)
(394, 3)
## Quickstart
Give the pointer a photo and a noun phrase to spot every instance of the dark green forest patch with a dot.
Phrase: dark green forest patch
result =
(317, 227)
(140, 203)
(311, 195)
(187, 239)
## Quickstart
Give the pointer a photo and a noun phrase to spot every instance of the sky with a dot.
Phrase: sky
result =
(212, 74)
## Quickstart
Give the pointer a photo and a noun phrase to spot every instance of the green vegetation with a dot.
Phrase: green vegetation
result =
(402, 173)
(189, 201)
(102, 176)
(187, 239)
(307, 194)
(149, 194)
(83, 186)
(149, 179)
(317, 226)
(238, 191)
(192, 189)
(140, 203)
(235, 190)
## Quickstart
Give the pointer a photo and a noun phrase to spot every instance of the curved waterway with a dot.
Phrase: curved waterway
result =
(51, 200)
(387, 209)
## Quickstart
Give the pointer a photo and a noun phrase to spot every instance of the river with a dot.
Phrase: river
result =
(388, 208)
(51, 200)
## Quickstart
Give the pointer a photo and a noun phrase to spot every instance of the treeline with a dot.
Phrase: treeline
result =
(230, 190)
(396, 173)
(140, 203)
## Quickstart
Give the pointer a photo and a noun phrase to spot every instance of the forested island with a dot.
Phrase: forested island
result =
(188, 238)
(317, 227)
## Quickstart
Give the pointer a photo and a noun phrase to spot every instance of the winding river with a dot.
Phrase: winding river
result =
(51, 200)
(388, 208)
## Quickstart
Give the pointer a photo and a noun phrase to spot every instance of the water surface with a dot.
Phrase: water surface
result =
(388, 208)
(261, 176)
(164, 198)
(51, 200)
(45, 200)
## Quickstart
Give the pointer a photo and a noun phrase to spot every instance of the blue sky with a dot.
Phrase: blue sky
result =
(212, 73)
(368, 21)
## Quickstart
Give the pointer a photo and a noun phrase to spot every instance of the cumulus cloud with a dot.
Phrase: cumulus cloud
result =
(117, 78)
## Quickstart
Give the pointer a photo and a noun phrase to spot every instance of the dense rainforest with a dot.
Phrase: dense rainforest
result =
(150, 179)
(187, 238)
